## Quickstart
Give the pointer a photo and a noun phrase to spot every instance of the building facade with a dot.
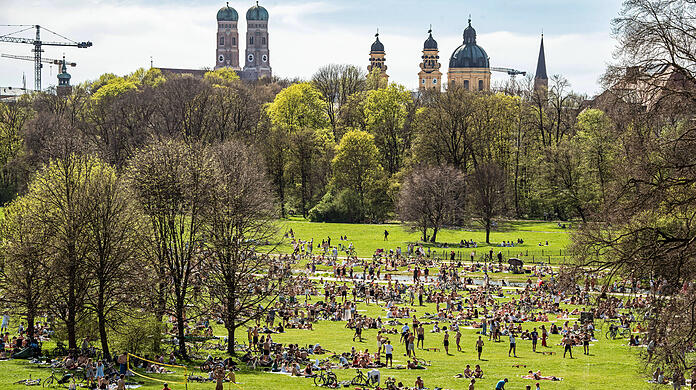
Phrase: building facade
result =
(430, 76)
(469, 65)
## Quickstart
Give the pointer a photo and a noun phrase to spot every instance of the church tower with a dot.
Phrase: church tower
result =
(257, 62)
(541, 80)
(63, 89)
(377, 58)
(430, 75)
(227, 51)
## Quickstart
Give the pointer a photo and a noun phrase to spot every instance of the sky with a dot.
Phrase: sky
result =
(305, 35)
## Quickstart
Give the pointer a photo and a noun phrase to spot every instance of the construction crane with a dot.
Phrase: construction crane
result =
(45, 60)
(38, 46)
(509, 71)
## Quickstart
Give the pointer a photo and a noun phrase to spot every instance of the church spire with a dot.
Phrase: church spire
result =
(541, 79)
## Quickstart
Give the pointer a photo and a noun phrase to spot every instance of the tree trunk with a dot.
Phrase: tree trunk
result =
(434, 237)
(230, 340)
(101, 323)
(488, 231)
(180, 327)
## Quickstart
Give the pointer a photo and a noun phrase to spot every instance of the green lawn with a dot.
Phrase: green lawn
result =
(368, 238)
(611, 364)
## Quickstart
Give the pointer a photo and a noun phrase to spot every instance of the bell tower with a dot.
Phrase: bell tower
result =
(257, 62)
(429, 78)
(377, 59)
(227, 52)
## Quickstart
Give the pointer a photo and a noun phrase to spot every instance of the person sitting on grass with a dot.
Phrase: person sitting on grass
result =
(419, 383)
(467, 372)
(478, 372)
(501, 384)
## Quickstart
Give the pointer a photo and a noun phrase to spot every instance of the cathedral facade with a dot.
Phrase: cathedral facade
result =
(257, 61)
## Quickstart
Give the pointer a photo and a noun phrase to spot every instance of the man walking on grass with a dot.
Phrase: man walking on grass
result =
(479, 347)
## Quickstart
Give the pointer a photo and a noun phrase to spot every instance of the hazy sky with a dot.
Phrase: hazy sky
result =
(305, 35)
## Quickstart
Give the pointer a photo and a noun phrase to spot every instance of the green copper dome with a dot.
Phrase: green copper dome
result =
(257, 12)
(227, 14)
(469, 54)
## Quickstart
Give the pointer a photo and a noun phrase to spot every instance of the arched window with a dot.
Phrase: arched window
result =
(263, 41)
(251, 40)
(466, 84)
(234, 41)
(222, 41)
(480, 85)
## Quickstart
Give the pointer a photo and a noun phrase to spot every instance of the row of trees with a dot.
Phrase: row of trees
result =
(172, 234)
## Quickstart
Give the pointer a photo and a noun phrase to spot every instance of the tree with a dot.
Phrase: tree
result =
(337, 83)
(386, 113)
(356, 164)
(25, 275)
(240, 280)
(173, 183)
(60, 193)
(487, 194)
(431, 197)
(114, 231)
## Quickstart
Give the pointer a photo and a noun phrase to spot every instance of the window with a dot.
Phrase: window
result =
(222, 41)
(466, 84)
(435, 81)
(234, 41)
(480, 85)
(263, 41)
(423, 81)
(251, 40)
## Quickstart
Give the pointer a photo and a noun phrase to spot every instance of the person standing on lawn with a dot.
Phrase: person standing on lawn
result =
(568, 346)
(421, 335)
(513, 345)
(458, 339)
(479, 347)
(445, 341)
(388, 351)
(535, 337)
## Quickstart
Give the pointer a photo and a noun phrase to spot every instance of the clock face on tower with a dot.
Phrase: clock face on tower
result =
(221, 58)
(250, 58)
(264, 58)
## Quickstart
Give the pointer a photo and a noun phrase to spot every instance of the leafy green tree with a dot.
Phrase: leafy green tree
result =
(356, 165)
(386, 111)
(597, 141)
(221, 77)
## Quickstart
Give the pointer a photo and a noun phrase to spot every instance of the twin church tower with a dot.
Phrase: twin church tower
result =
(469, 65)
(256, 57)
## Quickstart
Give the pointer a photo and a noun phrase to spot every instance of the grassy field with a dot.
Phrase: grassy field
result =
(368, 238)
(611, 364)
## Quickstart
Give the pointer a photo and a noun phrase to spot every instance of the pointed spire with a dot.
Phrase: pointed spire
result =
(541, 62)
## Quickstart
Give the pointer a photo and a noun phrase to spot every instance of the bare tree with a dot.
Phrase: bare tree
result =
(173, 183)
(241, 282)
(432, 197)
(487, 194)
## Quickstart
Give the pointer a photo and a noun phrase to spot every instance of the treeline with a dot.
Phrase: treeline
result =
(338, 147)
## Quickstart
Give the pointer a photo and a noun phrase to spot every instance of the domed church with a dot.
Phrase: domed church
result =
(469, 65)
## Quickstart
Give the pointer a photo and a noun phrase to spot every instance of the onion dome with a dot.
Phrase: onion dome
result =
(377, 45)
(430, 43)
(257, 12)
(469, 54)
(227, 14)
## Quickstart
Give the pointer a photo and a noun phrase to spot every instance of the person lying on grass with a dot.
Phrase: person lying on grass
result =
(538, 377)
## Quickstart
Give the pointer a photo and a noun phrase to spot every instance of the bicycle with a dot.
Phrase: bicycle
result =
(616, 331)
(326, 378)
(54, 381)
(28, 382)
(59, 350)
(361, 380)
